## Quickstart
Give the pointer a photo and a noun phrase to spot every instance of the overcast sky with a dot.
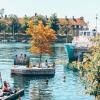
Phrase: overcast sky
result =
(86, 8)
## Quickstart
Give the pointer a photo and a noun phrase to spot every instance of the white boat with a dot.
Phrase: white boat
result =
(79, 45)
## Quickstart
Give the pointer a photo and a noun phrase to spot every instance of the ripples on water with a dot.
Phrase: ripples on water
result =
(35, 87)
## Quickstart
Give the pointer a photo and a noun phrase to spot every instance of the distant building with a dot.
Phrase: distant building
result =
(73, 25)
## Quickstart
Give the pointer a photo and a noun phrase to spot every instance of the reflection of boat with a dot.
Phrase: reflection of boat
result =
(13, 96)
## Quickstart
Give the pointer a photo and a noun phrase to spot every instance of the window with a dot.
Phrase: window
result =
(84, 33)
(88, 33)
(81, 33)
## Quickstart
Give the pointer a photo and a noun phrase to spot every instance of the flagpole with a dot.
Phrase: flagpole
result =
(96, 25)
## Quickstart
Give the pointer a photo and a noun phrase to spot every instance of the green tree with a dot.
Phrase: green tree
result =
(54, 22)
(2, 25)
(14, 24)
(40, 18)
(24, 24)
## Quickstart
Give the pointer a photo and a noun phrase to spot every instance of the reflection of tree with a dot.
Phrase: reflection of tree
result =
(21, 81)
(54, 22)
(58, 52)
(41, 91)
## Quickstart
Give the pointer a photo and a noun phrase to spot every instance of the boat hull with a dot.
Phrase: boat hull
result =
(15, 95)
(69, 49)
(75, 53)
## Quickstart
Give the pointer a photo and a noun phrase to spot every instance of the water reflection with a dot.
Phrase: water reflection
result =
(40, 91)
(35, 87)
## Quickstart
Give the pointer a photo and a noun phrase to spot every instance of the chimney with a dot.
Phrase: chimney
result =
(74, 18)
(35, 14)
(46, 17)
(66, 17)
(5, 16)
(81, 18)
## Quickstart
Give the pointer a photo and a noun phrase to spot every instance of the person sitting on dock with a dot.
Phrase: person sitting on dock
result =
(21, 58)
(25, 59)
(16, 60)
(46, 63)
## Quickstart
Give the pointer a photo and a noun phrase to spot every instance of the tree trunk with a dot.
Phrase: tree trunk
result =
(13, 33)
(40, 60)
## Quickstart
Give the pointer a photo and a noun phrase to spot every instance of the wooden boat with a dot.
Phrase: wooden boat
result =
(13, 96)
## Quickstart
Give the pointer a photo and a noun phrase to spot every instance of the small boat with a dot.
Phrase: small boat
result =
(13, 96)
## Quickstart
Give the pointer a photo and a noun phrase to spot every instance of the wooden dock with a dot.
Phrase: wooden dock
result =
(33, 71)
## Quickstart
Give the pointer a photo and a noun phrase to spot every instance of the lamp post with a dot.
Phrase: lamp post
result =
(96, 24)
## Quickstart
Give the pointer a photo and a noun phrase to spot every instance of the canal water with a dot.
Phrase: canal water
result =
(35, 87)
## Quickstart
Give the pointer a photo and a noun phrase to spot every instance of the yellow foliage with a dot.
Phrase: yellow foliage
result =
(42, 36)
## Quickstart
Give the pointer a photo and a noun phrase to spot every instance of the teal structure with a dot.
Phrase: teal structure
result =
(70, 50)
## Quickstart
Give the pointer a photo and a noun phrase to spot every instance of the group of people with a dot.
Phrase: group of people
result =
(48, 65)
(21, 59)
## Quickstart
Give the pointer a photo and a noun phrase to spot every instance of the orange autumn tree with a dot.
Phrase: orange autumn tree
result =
(42, 38)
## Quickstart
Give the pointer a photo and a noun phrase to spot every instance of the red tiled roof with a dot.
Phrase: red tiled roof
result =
(63, 21)
(73, 21)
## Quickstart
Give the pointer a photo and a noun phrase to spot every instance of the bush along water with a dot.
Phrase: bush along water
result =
(89, 69)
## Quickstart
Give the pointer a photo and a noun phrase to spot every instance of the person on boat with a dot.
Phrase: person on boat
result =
(6, 87)
(1, 92)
